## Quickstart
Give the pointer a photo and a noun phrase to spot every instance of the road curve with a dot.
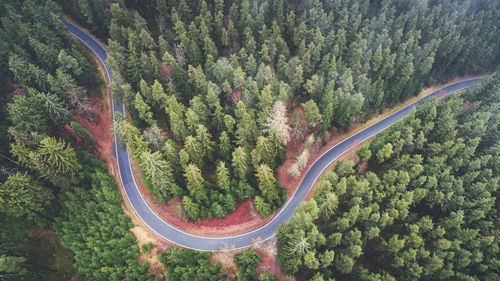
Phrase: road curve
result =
(184, 239)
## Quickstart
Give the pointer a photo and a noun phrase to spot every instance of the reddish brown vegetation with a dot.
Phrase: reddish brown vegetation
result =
(15, 89)
(236, 97)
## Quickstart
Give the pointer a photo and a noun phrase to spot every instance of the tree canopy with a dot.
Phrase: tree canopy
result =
(236, 81)
(425, 211)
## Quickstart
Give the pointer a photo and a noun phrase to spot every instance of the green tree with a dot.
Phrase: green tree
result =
(56, 161)
(311, 111)
(11, 268)
(225, 145)
(143, 109)
(159, 96)
(68, 63)
(364, 154)
(240, 162)
(194, 150)
(246, 262)
(263, 208)
(267, 183)
(159, 174)
(26, 117)
(203, 137)
(223, 175)
(384, 153)
(192, 265)
(195, 181)
(21, 194)
(192, 208)
(266, 151)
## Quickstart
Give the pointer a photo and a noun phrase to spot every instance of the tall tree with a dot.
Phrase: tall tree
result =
(267, 183)
(21, 194)
(223, 175)
(240, 162)
(159, 173)
(195, 182)
(56, 161)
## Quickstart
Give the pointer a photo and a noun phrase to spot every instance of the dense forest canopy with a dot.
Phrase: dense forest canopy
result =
(46, 180)
(421, 204)
(218, 88)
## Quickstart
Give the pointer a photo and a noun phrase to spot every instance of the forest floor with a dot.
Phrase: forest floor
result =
(47, 257)
(267, 250)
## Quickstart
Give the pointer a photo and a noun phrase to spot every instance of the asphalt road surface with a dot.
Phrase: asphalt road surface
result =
(267, 231)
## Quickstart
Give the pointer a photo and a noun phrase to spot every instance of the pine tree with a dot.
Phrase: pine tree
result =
(203, 137)
(266, 151)
(194, 149)
(56, 161)
(223, 175)
(143, 109)
(25, 117)
(21, 194)
(240, 162)
(225, 146)
(263, 208)
(311, 111)
(267, 183)
(192, 208)
(195, 181)
(68, 63)
(159, 174)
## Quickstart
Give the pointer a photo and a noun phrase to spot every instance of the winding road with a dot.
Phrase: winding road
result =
(184, 239)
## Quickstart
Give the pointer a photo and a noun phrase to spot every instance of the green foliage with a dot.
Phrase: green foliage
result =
(14, 231)
(267, 276)
(56, 161)
(49, 68)
(82, 132)
(11, 269)
(312, 113)
(364, 153)
(21, 194)
(159, 175)
(223, 78)
(147, 247)
(93, 226)
(246, 262)
(416, 212)
(190, 265)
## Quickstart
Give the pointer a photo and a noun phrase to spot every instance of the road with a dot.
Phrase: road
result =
(179, 237)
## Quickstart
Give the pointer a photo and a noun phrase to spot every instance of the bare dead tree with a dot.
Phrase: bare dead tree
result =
(80, 102)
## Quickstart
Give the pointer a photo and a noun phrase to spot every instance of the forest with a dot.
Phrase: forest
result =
(46, 179)
(216, 92)
(217, 89)
(420, 204)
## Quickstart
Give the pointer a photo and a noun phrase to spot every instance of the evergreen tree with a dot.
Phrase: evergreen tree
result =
(195, 181)
(21, 194)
